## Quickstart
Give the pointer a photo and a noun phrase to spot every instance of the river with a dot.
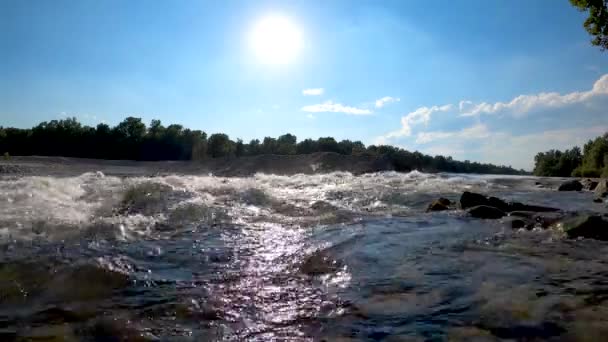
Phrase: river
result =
(332, 257)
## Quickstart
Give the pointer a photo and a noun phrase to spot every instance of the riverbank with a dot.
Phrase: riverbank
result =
(322, 162)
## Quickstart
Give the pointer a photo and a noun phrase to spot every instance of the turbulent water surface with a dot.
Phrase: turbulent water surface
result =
(305, 257)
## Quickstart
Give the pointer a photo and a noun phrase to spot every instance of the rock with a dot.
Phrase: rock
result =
(471, 199)
(524, 214)
(498, 203)
(486, 212)
(601, 190)
(587, 226)
(444, 201)
(516, 222)
(543, 219)
(439, 205)
(548, 219)
(572, 185)
(598, 200)
(589, 184)
(516, 206)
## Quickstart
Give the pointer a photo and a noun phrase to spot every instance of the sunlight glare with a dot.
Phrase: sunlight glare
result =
(276, 40)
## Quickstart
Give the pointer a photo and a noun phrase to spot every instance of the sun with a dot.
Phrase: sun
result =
(276, 39)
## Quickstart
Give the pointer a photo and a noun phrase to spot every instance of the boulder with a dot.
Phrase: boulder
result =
(546, 220)
(516, 222)
(543, 219)
(516, 206)
(589, 184)
(523, 214)
(486, 212)
(601, 190)
(598, 200)
(471, 199)
(439, 205)
(587, 226)
(572, 185)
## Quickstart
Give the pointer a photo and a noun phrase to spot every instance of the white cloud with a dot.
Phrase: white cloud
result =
(505, 148)
(313, 92)
(420, 115)
(331, 107)
(311, 116)
(523, 104)
(385, 100)
(478, 131)
(519, 150)
(517, 107)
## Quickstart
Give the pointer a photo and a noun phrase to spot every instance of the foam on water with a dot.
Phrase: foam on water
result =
(304, 257)
(37, 206)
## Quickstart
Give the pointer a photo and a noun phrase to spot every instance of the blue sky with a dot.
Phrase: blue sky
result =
(492, 81)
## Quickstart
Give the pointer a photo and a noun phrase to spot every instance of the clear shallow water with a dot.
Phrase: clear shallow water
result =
(333, 257)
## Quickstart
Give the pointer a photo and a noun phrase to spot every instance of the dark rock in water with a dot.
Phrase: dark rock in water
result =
(601, 190)
(587, 226)
(486, 212)
(548, 219)
(598, 200)
(439, 205)
(517, 222)
(319, 263)
(444, 201)
(523, 213)
(498, 203)
(516, 206)
(589, 184)
(543, 219)
(572, 185)
(471, 199)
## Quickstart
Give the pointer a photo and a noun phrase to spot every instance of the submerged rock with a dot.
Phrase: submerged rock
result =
(601, 190)
(587, 226)
(439, 205)
(486, 212)
(516, 206)
(319, 263)
(517, 222)
(471, 199)
(542, 219)
(572, 185)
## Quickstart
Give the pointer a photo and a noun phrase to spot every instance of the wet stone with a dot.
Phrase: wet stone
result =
(486, 212)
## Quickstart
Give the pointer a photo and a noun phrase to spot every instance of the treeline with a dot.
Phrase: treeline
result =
(132, 139)
(592, 162)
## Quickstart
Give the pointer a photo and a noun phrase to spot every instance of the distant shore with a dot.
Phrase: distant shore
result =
(322, 162)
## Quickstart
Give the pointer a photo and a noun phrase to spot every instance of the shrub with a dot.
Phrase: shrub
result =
(7, 156)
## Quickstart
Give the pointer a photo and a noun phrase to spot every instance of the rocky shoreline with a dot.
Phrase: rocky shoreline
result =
(587, 224)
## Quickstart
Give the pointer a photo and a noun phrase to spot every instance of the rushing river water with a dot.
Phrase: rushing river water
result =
(331, 257)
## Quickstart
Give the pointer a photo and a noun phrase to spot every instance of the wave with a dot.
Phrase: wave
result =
(127, 207)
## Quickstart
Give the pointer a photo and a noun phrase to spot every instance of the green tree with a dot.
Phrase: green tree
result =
(239, 150)
(286, 144)
(597, 21)
(220, 145)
